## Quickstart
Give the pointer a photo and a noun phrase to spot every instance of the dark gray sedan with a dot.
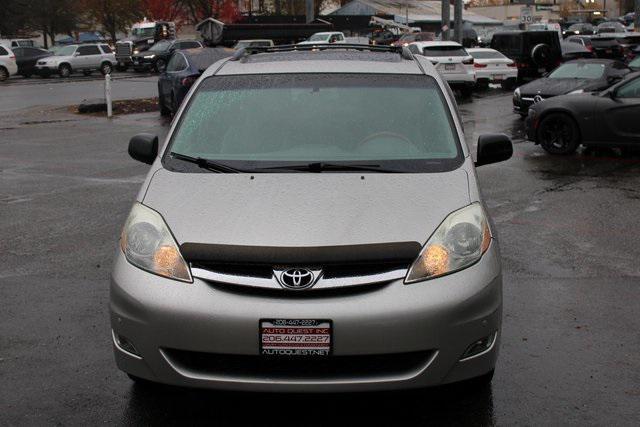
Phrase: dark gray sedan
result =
(608, 118)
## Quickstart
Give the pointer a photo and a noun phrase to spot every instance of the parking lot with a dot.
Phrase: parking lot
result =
(567, 228)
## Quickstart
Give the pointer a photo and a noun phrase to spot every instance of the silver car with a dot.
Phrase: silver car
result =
(85, 58)
(312, 222)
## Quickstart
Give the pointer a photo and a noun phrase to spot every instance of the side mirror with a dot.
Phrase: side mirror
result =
(76, 53)
(493, 148)
(144, 148)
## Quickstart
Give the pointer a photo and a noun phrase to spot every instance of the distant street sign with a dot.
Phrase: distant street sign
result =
(526, 15)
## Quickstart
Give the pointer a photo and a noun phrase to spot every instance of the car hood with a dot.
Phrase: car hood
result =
(554, 87)
(57, 58)
(305, 209)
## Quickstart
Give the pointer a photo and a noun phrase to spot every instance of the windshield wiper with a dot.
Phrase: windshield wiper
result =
(322, 166)
(206, 163)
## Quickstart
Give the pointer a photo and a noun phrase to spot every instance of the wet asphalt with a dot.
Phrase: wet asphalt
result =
(568, 228)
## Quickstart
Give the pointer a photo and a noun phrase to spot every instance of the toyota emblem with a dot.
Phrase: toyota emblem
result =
(297, 278)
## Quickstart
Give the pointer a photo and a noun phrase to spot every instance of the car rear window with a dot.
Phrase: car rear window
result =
(487, 54)
(444, 51)
(400, 121)
(578, 70)
(3, 51)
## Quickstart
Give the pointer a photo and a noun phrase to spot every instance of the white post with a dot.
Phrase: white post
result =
(107, 94)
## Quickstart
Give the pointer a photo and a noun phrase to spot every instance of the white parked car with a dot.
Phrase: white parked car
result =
(493, 67)
(452, 61)
(8, 65)
(325, 38)
(74, 58)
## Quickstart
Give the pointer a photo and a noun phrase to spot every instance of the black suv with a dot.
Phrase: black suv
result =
(534, 52)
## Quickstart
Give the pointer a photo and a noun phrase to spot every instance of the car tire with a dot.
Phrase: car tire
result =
(160, 65)
(4, 74)
(64, 70)
(466, 91)
(87, 72)
(481, 382)
(541, 55)
(558, 133)
(106, 68)
(508, 84)
(482, 84)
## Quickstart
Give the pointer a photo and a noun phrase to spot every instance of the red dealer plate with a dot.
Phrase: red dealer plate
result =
(295, 337)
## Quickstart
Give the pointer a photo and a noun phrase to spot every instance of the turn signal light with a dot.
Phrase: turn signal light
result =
(476, 65)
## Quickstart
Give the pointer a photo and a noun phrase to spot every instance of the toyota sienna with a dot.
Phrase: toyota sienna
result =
(312, 222)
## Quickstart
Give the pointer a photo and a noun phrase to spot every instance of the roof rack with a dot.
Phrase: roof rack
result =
(244, 52)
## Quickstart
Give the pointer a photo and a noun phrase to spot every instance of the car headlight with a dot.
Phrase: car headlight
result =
(149, 56)
(136, 51)
(516, 94)
(460, 241)
(148, 244)
(575, 92)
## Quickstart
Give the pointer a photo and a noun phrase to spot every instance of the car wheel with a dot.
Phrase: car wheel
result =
(64, 70)
(106, 68)
(482, 84)
(541, 55)
(160, 65)
(87, 72)
(466, 91)
(4, 74)
(508, 84)
(559, 134)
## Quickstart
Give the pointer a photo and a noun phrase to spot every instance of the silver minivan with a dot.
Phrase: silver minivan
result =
(312, 222)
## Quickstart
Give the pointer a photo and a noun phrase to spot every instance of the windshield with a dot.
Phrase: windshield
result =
(143, 32)
(161, 46)
(397, 121)
(487, 54)
(578, 71)
(66, 51)
(445, 51)
(319, 37)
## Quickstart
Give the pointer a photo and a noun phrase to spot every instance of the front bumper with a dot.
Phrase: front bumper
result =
(439, 319)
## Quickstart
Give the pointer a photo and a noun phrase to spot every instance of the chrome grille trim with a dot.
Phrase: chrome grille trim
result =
(322, 283)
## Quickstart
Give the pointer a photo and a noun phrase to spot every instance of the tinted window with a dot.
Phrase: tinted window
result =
(106, 48)
(487, 54)
(88, 50)
(444, 51)
(3, 51)
(232, 118)
(506, 43)
(630, 90)
(177, 63)
(578, 70)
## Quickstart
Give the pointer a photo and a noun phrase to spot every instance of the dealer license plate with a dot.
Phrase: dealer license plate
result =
(449, 67)
(295, 337)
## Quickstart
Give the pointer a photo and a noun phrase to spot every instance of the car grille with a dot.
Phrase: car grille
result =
(123, 49)
(331, 368)
(333, 276)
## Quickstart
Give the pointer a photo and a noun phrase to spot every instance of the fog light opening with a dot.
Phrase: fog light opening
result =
(125, 345)
(479, 347)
